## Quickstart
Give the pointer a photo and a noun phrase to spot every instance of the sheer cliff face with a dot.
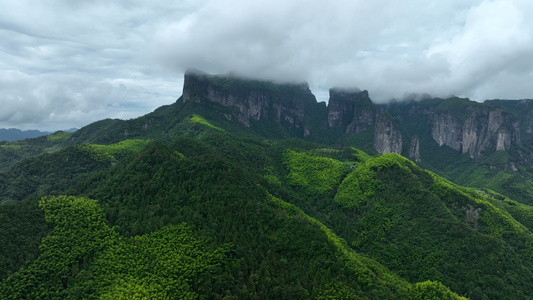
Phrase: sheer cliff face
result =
(351, 110)
(341, 107)
(484, 128)
(414, 149)
(468, 127)
(387, 139)
(248, 100)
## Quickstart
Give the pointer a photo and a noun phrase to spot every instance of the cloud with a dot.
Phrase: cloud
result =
(390, 48)
(496, 43)
(52, 101)
(68, 63)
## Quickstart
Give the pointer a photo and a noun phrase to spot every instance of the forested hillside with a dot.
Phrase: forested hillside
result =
(186, 203)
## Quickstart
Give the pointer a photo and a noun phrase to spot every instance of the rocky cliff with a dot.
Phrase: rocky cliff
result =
(387, 138)
(475, 129)
(414, 149)
(468, 127)
(351, 110)
(246, 100)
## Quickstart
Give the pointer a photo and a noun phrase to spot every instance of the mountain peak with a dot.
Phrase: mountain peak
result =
(249, 100)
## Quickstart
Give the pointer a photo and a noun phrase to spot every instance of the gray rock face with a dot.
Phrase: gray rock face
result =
(468, 127)
(350, 109)
(485, 127)
(387, 139)
(446, 130)
(341, 107)
(248, 100)
(414, 149)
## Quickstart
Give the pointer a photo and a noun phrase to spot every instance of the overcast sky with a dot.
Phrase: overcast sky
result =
(66, 63)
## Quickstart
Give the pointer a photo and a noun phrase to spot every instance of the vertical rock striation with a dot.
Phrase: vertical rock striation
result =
(387, 139)
(247, 100)
(468, 127)
(483, 129)
(414, 149)
(351, 110)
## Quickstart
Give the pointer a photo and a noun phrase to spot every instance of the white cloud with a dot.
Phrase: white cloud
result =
(68, 63)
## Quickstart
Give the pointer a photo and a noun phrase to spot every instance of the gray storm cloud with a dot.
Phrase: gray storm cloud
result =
(68, 63)
(478, 49)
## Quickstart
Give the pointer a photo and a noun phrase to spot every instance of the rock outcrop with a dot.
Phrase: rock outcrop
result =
(414, 149)
(350, 109)
(387, 139)
(484, 128)
(470, 128)
(247, 100)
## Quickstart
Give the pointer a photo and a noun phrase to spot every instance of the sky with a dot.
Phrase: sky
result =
(67, 63)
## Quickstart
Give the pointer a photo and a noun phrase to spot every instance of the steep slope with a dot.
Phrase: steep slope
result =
(243, 241)
(424, 227)
(54, 173)
(224, 197)
(236, 192)
(475, 144)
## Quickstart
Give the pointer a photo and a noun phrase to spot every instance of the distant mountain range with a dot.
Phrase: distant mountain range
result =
(13, 134)
(246, 189)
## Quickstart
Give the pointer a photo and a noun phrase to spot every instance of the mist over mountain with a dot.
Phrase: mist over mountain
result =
(245, 188)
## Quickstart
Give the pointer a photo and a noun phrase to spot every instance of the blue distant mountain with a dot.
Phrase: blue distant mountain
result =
(13, 134)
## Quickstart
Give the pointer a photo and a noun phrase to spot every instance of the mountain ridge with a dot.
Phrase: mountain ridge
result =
(13, 134)
(466, 126)
(210, 197)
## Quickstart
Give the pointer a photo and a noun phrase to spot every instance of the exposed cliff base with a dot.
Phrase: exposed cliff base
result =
(468, 127)
(446, 136)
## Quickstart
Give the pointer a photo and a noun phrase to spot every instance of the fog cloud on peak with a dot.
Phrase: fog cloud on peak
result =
(68, 63)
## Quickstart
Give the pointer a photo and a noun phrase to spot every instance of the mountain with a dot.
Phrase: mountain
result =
(494, 139)
(252, 189)
(468, 127)
(13, 134)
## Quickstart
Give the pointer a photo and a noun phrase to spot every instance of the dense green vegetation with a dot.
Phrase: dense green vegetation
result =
(269, 249)
(55, 173)
(317, 174)
(186, 204)
(454, 233)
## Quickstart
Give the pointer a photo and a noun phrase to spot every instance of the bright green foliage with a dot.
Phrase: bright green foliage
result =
(367, 273)
(521, 212)
(431, 290)
(80, 232)
(164, 263)
(395, 215)
(58, 136)
(441, 232)
(337, 291)
(10, 147)
(374, 227)
(200, 120)
(496, 222)
(271, 177)
(361, 155)
(314, 173)
(131, 288)
(51, 173)
(361, 182)
(106, 153)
